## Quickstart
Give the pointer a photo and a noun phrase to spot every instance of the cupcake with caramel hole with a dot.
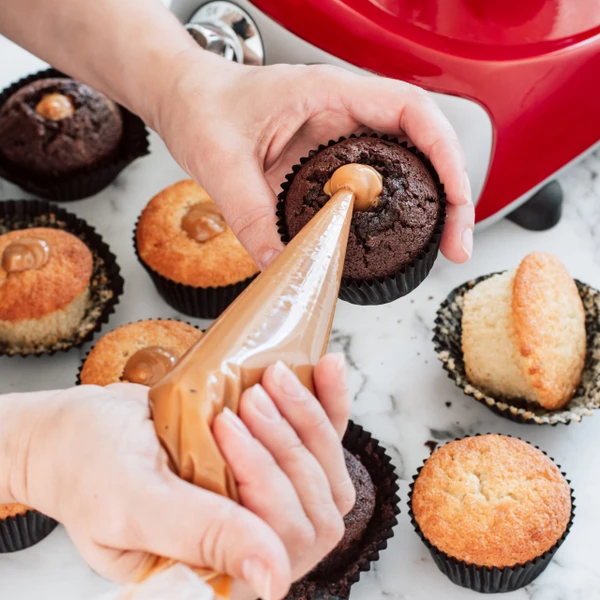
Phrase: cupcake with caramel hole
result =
(195, 261)
(44, 286)
(142, 352)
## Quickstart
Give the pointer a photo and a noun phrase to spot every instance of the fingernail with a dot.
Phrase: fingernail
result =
(467, 241)
(236, 422)
(258, 576)
(266, 258)
(467, 195)
(287, 382)
(264, 404)
(340, 364)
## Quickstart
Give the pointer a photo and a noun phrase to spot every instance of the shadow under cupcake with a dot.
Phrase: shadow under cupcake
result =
(524, 343)
(392, 246)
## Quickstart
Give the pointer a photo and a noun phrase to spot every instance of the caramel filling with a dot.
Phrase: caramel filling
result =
(55, 107)
(363, 181)
(148, 366)
(203, 222)
(25, 254)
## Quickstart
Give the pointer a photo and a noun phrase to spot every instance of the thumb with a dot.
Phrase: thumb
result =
(248, 205)
(177, 520)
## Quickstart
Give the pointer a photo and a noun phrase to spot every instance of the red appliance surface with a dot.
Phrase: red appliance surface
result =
(534, 65)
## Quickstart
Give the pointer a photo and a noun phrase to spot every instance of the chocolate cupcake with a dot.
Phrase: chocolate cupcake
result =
(141, 352)
(44, 286)
(194, 259)
(493, 510)
(57, 126)
(392, 245)
(22, 527)
(525, 343)
(368, 526)
(59, 282)
(62, 140)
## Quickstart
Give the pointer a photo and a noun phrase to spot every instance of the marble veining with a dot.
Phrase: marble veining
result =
(401, 393)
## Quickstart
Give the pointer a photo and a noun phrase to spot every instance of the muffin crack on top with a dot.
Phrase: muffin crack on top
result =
(491, 501)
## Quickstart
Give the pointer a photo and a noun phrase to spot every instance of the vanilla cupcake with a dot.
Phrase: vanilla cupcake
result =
(197, 264)
(492, 510)
(142, 352)
(523, 333)
(44, 286)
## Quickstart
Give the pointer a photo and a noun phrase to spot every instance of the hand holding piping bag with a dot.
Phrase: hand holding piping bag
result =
(285, 315)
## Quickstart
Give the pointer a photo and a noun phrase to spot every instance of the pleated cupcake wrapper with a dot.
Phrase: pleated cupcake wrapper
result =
(336, 584)
(198, 302)
(448, 346)
(485, 579)
(106, 284)
(78, 378)
(383, 289)
(23, 531)
(83, 182)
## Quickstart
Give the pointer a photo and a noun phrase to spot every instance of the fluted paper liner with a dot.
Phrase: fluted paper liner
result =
(22, 531)
(285, 314)
(83, 182)
(485, 579)
(106, 284)
(448, 346)
(336, 584)
(406, 279)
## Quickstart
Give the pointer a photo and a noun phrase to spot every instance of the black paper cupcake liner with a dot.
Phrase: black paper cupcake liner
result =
(336, 584)
(485, 579)
(106, 284)
(23, 531)
(198, 302)
(383, 289)
(83, 361)
(448, 346)
(84, 182)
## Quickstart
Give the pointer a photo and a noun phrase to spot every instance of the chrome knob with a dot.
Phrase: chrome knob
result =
(225, 29)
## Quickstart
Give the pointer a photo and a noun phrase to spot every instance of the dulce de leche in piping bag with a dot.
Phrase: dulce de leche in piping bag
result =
(285, 314)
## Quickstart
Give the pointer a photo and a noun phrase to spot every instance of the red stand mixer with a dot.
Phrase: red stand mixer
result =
(519, 80)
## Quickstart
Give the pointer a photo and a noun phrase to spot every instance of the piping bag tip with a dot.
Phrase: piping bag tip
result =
(285, 314)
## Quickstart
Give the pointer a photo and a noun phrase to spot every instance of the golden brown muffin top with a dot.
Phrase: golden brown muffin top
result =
(12, 510)
(106, 362)
(548, 313)
(34, 293)
(491, 501)
(167, 248)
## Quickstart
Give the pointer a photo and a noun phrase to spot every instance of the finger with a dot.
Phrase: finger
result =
(248, 203)
(312, 426)
(332, 390)
(457, 239)
(263, 487)
(175, 519)
(307, 475)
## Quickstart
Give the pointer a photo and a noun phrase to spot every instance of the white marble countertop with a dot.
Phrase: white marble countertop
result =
(401, 393)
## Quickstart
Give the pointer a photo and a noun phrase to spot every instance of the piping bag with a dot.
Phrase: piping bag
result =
(285, 314)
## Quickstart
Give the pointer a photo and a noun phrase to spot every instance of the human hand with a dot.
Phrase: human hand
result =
(238, 130)
(94, 464)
